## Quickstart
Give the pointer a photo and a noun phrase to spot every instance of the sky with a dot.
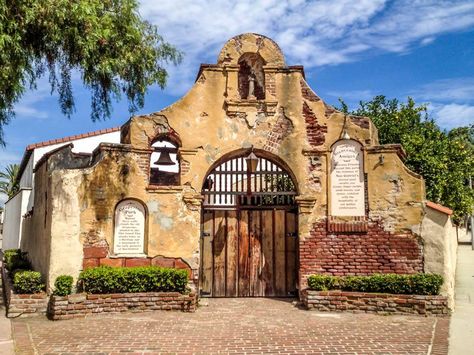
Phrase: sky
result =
(352, 50)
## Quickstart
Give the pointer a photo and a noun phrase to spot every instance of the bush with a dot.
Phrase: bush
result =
(104, 279)
(63, 285)
(322, 282)
(415, 284)
(27, 282)
(15, 259)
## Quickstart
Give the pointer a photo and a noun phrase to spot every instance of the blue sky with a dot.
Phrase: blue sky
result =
(350, 49)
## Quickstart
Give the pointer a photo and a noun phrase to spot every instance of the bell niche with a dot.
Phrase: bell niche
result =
(251, 77)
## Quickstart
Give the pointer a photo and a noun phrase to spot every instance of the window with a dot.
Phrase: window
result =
(164, 163)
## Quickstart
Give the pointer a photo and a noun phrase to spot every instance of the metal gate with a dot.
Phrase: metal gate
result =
(249, 230)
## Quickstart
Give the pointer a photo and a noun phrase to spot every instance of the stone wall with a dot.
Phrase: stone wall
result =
(364, 253)
(80, 305)
(22, 305)
(382, 303)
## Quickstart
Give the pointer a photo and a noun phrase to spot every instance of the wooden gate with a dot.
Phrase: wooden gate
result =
(249, 231)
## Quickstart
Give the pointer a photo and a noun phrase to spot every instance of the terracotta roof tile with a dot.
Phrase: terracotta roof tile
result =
(439, 208)
(71, 138)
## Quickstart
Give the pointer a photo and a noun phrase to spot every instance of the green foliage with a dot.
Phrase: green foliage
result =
(105, 279)
(8, 183)
(15, 259)
(106, 41)
(322, 282)
(416, 284)
(444, 159)
(27, 282)
(63, 285)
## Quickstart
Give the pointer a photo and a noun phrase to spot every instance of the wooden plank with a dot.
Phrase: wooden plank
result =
(291, 259)
(267, 253)
(232, 253)
(255, 255)
(206, 248)
(244, 270)
(219, 254)
(280, 267)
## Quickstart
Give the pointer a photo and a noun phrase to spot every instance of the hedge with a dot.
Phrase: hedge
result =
(63, 285)
(26, 281)
(413, 284)
(105, 279)
(15, 259)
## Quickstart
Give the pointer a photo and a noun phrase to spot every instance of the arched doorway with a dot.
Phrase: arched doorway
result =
(249, 244)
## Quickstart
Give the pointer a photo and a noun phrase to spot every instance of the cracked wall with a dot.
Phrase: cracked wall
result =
(212, 121)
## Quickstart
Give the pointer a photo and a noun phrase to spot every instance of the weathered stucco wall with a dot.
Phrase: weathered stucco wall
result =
(36, 237)
(212, 122)
(440, 247)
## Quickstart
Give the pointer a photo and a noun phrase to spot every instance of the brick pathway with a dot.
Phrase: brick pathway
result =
(234, 326)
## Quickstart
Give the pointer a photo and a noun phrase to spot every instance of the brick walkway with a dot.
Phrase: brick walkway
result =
(234, 326)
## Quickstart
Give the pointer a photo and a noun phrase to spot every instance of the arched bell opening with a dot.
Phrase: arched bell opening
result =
(164, 161)
(249, 244)
(251, 77)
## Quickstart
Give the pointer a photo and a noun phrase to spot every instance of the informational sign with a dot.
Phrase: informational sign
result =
(129, 234)
(347, 179)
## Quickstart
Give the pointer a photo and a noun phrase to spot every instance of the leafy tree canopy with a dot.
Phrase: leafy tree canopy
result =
(105, 41)
(444, 159)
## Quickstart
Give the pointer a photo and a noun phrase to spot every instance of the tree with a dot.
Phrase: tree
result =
(8, 184)
(444, 159)
(105, 41)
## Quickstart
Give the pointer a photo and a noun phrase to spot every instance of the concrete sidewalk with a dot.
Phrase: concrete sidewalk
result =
(6, 342)
(461, 339)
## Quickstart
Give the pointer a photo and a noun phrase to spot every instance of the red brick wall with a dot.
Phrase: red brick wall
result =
(334, 301)
(375, 251)
(314, 131)
(80, 305)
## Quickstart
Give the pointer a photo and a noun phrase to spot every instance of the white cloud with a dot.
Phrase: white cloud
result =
(312, 33)
(27, 107)
(353, 96)
(455, 89)
(452, 115)
(8, 158)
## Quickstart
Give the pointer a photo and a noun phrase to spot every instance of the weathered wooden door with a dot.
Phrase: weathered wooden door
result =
(249, 235)
(249, 252)
(249, 229)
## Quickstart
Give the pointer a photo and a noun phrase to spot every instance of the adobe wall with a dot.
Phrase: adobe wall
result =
(440, 247)
(211, 122)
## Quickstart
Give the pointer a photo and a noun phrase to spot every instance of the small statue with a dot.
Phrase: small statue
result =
(251, 95)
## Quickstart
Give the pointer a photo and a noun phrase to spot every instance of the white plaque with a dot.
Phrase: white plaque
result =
(129, 234)
(347, 179)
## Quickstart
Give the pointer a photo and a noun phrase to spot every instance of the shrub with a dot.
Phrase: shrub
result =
(63, 285)
(27, 282)
(416, 284)
(322, 282)
(15, 259)
(104, 279)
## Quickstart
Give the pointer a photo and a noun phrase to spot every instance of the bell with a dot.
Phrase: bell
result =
(164, 159)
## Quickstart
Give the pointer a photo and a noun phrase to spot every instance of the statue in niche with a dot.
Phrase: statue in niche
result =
(251, 95)
(251, 77)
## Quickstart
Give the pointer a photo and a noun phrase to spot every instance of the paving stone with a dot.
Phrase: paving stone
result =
(225, 326)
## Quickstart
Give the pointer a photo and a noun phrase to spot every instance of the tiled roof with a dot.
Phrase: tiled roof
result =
(439, 208)
(72, 138)
(29, 149)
